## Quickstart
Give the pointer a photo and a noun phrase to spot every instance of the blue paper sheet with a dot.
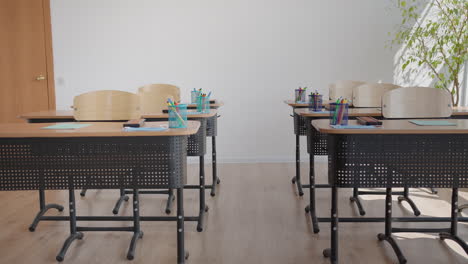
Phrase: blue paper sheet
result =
(433, 123)
(131, 129)
(352, 127)
(66, 126)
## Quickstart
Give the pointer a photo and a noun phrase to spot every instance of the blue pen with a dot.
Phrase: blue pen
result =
(209, 94)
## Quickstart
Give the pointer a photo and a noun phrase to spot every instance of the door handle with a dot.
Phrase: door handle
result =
(40, 78)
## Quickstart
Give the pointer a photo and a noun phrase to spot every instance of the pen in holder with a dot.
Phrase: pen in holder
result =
(194, 95)
(300, 95)
(339, 113)
(178, 116)
(315, 102)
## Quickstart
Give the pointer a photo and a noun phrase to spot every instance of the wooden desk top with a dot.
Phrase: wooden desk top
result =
(56, 114)
(460, 110)
(457, 111)
(68, 114)
(96, 129)
(216, 104)
(351, 112)
(394, 127)
(293, 103)
(212, 113)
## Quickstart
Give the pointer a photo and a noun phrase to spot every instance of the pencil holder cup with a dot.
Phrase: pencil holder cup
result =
(206, 105)
(299, 95)
(193, 96)
(315, 102)
(178, 116)
(203, 104)
(339, 114)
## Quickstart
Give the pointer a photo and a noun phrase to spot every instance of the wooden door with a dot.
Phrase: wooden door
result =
(26, 71)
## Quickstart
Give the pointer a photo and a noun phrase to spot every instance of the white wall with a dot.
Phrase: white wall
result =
(249, 53)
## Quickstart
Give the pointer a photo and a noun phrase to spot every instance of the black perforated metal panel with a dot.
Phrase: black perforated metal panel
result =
(316, 141)
(299, 125)
(197, 142)
(212, 126)
(439, 161)
(93, 163)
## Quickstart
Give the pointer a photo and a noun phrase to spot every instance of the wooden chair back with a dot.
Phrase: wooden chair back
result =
(153, 97)
(370, 94)
(417, 102)
(106, 105)
(343, 89)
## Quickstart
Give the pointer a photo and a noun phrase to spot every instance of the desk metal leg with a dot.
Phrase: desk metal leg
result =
(74, 234)
(332, 252)
(388, 227)
(203, 206)
(216, 180)
(405, 197)
(137, 233)
(297, 178)
(43, 208)
(119, 202)
(454, 223)
(311, 207)
(181, 254)
(355, 199)
(170, 199)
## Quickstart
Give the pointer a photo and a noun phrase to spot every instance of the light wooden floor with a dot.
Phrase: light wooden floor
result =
(256, 218)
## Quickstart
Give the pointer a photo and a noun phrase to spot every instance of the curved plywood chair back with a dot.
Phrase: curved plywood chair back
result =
(417, 102)
(370, 94)
(106, 105)
(153, 97)
(343, 89)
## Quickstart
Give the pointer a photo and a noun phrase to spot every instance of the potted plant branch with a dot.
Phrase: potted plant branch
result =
(435, 35)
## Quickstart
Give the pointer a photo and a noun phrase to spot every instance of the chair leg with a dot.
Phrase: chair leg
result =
(407, 199)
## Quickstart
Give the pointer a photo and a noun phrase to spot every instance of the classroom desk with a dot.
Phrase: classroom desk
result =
(317, 145)
(49, 116)
(214, 104)
(397, 154)
(42, 159)
(300, 129)
(196, 147)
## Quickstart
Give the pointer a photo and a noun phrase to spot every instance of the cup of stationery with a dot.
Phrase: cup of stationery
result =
(339, 113)
(300, 95)
(177, 116)
(203, 103)
(315, 102)
(193, 96)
